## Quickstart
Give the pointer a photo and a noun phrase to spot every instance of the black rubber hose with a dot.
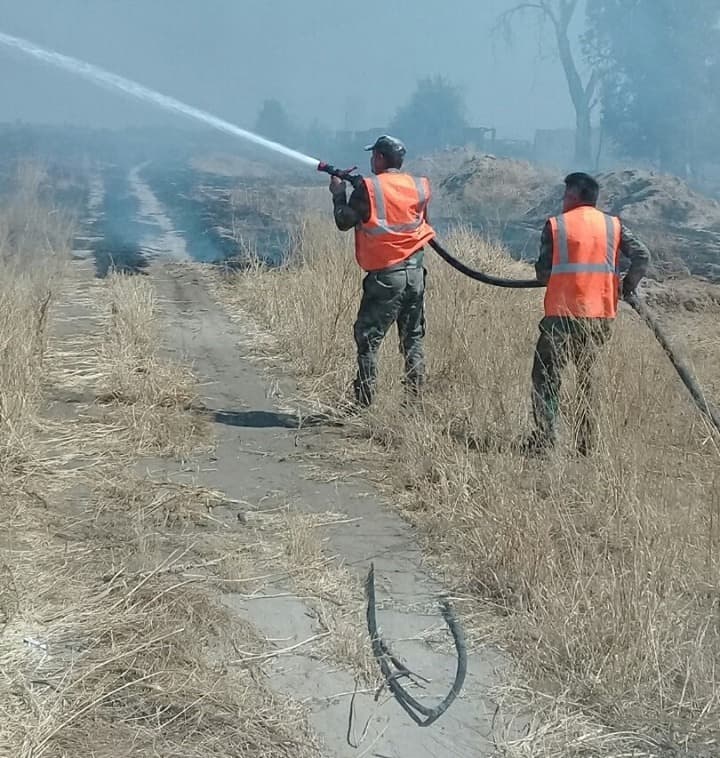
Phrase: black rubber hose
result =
(479, 276)
(682, 369)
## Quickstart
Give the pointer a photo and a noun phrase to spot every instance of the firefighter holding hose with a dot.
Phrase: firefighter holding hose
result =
(388, 211)
(579, 261)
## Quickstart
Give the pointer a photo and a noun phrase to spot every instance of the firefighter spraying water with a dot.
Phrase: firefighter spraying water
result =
(389, 214)
(579, 265)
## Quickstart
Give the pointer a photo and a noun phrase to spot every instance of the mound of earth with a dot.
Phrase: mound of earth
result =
(488, 191)
(512, 199)
(441, 164)
(645, 198)
(681, 226)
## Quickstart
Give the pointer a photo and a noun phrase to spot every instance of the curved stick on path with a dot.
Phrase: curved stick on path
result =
(682, 369)
(479, 276)
(385, 658)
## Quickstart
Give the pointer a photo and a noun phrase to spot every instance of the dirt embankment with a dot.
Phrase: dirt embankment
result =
(230, 210)
(512, 199)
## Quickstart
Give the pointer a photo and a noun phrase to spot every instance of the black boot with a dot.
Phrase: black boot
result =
(363, 393)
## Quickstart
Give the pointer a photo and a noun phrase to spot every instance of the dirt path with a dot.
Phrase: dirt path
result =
(96, 196)
(161, 239)
(261, 459)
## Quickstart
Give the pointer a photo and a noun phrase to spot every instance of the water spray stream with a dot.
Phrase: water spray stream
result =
(113, 81)
(102, 77)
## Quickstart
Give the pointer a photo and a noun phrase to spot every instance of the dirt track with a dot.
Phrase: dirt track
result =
(257, 461)
(282, 534)
(261, 460)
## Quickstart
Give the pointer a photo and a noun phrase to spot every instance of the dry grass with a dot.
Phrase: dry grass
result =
(493, 191)
(152, 392)
(111, 640)
(605, 571)
(336, 595)
(113, 651)
(690, 311)
(33, 251)
(289, 547)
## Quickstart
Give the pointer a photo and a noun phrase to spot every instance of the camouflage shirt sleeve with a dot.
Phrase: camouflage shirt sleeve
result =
(638, 254)
(350, 213)
(543, 265)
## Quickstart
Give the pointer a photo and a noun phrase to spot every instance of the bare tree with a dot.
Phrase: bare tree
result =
(560, 14)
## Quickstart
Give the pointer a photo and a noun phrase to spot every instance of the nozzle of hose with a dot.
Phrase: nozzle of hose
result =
(333, 171)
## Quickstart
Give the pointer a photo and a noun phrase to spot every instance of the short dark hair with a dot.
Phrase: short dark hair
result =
(586, 188)
(392, 160)
(391, 149)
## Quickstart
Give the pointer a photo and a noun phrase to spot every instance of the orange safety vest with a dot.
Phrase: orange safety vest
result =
(584, 281)
(396, 227)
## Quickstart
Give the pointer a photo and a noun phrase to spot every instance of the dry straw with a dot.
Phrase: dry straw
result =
(106, 647)
(605, 571)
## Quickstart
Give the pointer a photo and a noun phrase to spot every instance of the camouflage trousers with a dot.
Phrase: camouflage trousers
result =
(392, 296)
(563, 340)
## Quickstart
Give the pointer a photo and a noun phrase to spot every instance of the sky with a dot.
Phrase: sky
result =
(346, 65)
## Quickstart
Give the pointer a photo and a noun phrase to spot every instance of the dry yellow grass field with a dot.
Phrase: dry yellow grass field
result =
(33, 254)
(602, 574)
(107, 648)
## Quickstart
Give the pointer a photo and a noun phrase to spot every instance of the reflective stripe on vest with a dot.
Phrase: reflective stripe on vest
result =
(382, 223)
(611, 265)
(397, 227)
(585, 265)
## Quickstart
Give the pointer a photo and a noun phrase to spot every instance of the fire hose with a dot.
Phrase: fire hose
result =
(479, 276)
(682, 369)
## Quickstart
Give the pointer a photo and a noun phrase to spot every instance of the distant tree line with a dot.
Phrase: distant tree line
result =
(648, 71)
(658, 65)
(651, 68)
(433, 117)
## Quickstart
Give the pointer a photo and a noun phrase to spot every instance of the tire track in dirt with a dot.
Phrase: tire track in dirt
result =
(161, 239)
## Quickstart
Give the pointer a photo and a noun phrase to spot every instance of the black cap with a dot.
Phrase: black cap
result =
(388, 146)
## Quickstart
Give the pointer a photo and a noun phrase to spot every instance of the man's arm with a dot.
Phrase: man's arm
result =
(426, 212)
(348, 214)
(631, 247)
(543, 265)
